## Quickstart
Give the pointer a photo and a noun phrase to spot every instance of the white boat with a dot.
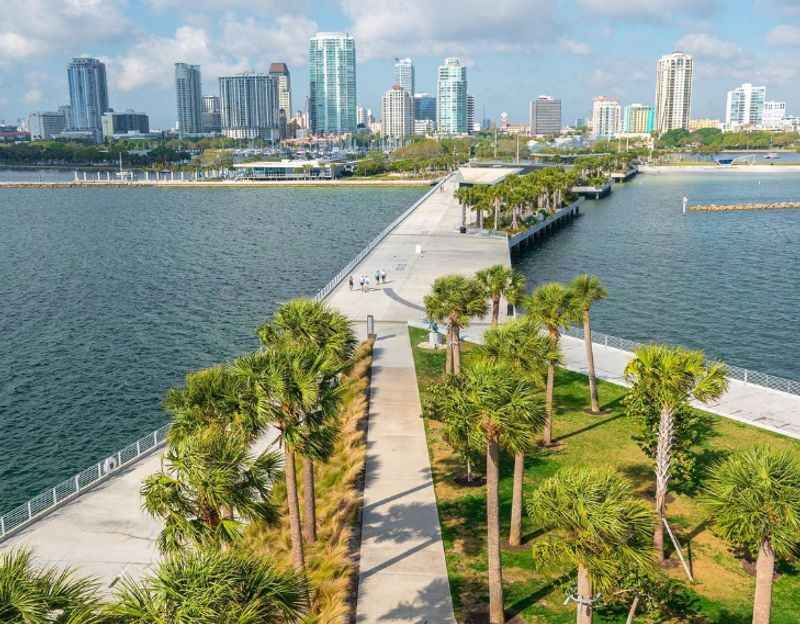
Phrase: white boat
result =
(771, 156)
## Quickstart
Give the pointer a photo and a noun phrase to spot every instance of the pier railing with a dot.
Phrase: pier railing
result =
(350, 266)
(746, 375)
(53, 497)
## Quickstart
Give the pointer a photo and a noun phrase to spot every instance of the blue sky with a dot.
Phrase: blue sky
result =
(515, 50)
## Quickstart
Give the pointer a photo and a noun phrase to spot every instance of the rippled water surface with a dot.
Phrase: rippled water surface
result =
(728, 283)
(109, 296)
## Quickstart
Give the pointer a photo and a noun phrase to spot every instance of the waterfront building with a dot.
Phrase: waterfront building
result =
(45, 125)
(289, 170)
(249, 106)
(674, 75)
(697, 124)
(130, 122)
(545, 116)
(471, 114)
(188, 89)
(332, 83)
(88, 95)
(404, 74)
(638, 119)
(424, 127)
(606, 117)
(774, 115)
(744, 107)
(425, 107)
(211, 117)
(397, 113)
(451, 97)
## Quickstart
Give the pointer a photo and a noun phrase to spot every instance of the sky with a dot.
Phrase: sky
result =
(515, 50)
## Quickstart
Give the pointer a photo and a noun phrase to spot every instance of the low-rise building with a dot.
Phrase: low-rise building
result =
(289, 170)
(46, 125)
(697, 124)
(119, 124)
(774, 114)
(424, 127)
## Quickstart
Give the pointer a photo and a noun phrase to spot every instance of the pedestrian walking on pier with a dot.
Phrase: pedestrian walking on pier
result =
(377, 277)
(366, 284)
(351, 282)
(361, 283)
(383, 276)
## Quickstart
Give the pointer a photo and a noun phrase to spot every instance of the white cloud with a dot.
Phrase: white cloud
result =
(649, 10)
(708, 46)
(784, 35)
(579, 48)
(32, 28)
(282, 39)
(385, 29)
(33, 96)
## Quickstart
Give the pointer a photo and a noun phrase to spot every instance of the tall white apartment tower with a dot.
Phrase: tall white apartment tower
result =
(674, 74)
(404, 74)
(606, 117)
(397, 113)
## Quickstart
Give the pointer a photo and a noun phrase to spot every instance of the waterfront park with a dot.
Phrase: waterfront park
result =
(450, 446)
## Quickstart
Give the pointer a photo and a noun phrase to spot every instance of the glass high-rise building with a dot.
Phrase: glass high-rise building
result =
(638, 119)
(424, 107)
(451, 98)
(745, 106)
(88, 95)
(674, 73)
(332, 83)
(188, 92)
(249, 106)
(211, 117)
(404, 75)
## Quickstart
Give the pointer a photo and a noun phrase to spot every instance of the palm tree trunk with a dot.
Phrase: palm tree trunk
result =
(587, 342)
(515, 534)
(663, 462)
(496, 614)
(495, 311)
(448, 361)
(548, 405)
(496, 210)
(584, 596)
(765, 569)
(294, 512)
(309, 502)
(632, 610)
(456, 351)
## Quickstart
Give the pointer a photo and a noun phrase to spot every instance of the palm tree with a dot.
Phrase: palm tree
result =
(522, 346)
(210, 479)
(455, 299)
(314, 325)
(754, 501)
(44, 596)
(499, 281)
(600, 526)
(551, 304)
(501, 408)
(284, 387)
(586, 289)
(207, 587)
(670, 377)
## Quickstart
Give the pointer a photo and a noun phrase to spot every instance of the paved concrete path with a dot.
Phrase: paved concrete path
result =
(402, 572)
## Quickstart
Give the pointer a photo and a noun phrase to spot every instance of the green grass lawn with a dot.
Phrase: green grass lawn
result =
(723, 590)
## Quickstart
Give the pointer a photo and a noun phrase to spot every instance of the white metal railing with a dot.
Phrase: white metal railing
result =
(40, 505)
(341, 275)
(755, 378)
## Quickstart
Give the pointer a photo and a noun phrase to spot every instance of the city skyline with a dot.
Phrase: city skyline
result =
(756, 44)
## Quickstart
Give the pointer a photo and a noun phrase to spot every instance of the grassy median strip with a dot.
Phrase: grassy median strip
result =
(723, 590)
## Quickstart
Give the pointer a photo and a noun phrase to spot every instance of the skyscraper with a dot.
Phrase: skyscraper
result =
(249, 106)
(361, 116)
(638, 119)
(451, 97)
(88, 95)
(332, 83)
(280, 72)
(744, 106)
(606, 117)
(471, 114)
(424, 107)
(674, 74)
(545, 115)
(211, 117)
(397, 113)
(404, 74)
(189, 98)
